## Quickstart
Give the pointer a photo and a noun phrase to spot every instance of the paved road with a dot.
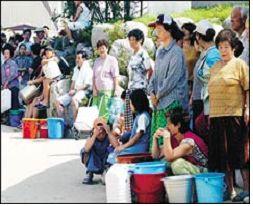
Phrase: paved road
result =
(44, 171)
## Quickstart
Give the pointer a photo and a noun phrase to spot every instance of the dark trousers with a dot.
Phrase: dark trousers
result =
(197, 108)
(14, 98)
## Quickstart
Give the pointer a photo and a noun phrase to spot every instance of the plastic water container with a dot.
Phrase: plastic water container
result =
(179, 188)
(148, 188)
(149, 167)
(117, 182)
(16, 117)
(43, 128)
(30, 128)
(210, 187)
(5, 100)
(55, 128)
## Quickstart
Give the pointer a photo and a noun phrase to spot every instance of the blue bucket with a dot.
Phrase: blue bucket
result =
(155, 167)
(15, 117)
(210, 187)
(55, 128)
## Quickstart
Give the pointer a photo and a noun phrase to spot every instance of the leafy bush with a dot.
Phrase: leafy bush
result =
(116, 33)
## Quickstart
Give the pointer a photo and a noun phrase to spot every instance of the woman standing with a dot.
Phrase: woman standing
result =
(229, 112)
(210, 55)
(139, 71)
(9, 75)
(168, 84)
(105, 78)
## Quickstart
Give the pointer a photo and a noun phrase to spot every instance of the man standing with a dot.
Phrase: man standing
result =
(239, 17)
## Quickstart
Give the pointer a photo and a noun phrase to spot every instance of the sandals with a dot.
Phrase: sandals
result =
(240, 197)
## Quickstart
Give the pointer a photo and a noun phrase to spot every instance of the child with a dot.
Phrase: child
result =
(138, 141)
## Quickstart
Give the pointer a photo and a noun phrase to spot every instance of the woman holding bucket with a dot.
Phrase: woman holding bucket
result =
(186, 151)
(229, 113)
(168, 85)
(105, 78)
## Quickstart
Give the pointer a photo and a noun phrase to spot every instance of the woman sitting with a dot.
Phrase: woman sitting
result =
(186, 152)
(138, 140)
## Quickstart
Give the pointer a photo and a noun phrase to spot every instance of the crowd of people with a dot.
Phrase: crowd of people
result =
(197, 71)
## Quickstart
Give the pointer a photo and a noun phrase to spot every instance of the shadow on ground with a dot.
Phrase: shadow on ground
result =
(59, 184)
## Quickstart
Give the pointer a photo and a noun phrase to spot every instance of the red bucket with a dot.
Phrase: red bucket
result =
(134, 158)
(148, 188)
(30, 128)
(43, 128)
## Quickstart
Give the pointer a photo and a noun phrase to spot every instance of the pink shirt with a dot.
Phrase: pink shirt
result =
(104, 71)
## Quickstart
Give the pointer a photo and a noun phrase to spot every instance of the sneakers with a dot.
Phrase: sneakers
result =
(88, 179)
(240, 197)
(228, 196)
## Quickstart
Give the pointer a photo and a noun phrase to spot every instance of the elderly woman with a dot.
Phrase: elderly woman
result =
(210, 55)
(168, 85)
(186, 151)
(229, 112)
(105, 78)
(139, 71)
(9, 75)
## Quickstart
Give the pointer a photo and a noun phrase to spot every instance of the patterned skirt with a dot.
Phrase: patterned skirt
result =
(227, 144)
(159, 120)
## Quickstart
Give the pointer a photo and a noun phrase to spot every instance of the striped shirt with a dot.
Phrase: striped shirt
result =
(169, 80)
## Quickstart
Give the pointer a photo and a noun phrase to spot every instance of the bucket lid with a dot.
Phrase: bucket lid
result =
(209, 175)
(15, 111)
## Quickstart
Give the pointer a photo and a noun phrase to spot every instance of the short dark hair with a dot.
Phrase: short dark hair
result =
(21, 45)
(139, 100)
(10, 48)
(35, 48)
(210, 33)
(83, 53)
(102, 42)
(189, 27)
(174, 30)
(27, 30)
(137, 34)
(3, 34)
(230, 36)
(45, 27)
(176, 116)
(18, 38)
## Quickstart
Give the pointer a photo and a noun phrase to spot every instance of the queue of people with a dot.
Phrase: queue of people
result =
(207, 74)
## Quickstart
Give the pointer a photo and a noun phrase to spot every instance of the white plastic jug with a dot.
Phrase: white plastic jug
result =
(117, 181)
(5, 100)
(179, 188)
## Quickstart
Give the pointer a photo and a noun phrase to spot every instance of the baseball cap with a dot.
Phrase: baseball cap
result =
(161, 19)
(39, 29)
(203, 26)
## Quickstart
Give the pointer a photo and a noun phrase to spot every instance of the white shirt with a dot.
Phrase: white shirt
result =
(51, 69)
(244, 38)
(85, 16)
(83, 76)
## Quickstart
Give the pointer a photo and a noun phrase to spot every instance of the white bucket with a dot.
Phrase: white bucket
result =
(117, 182)
(179, 188)
(5, 100)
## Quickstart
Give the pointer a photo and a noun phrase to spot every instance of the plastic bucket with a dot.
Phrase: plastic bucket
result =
(55, 128)
(15, 117)
(30, 128)
(148, 188)
(210, 187)
(179, 188)
(43, 128)
(134, 158)
(149, 167)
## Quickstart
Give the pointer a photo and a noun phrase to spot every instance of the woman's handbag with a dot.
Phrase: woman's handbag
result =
(29, 92)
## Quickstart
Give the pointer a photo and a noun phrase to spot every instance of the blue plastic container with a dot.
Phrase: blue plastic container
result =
(55, 128)
(155, 167)
(15, 117)
(210, 187)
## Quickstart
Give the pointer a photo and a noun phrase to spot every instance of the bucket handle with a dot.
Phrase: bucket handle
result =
(207, 181)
